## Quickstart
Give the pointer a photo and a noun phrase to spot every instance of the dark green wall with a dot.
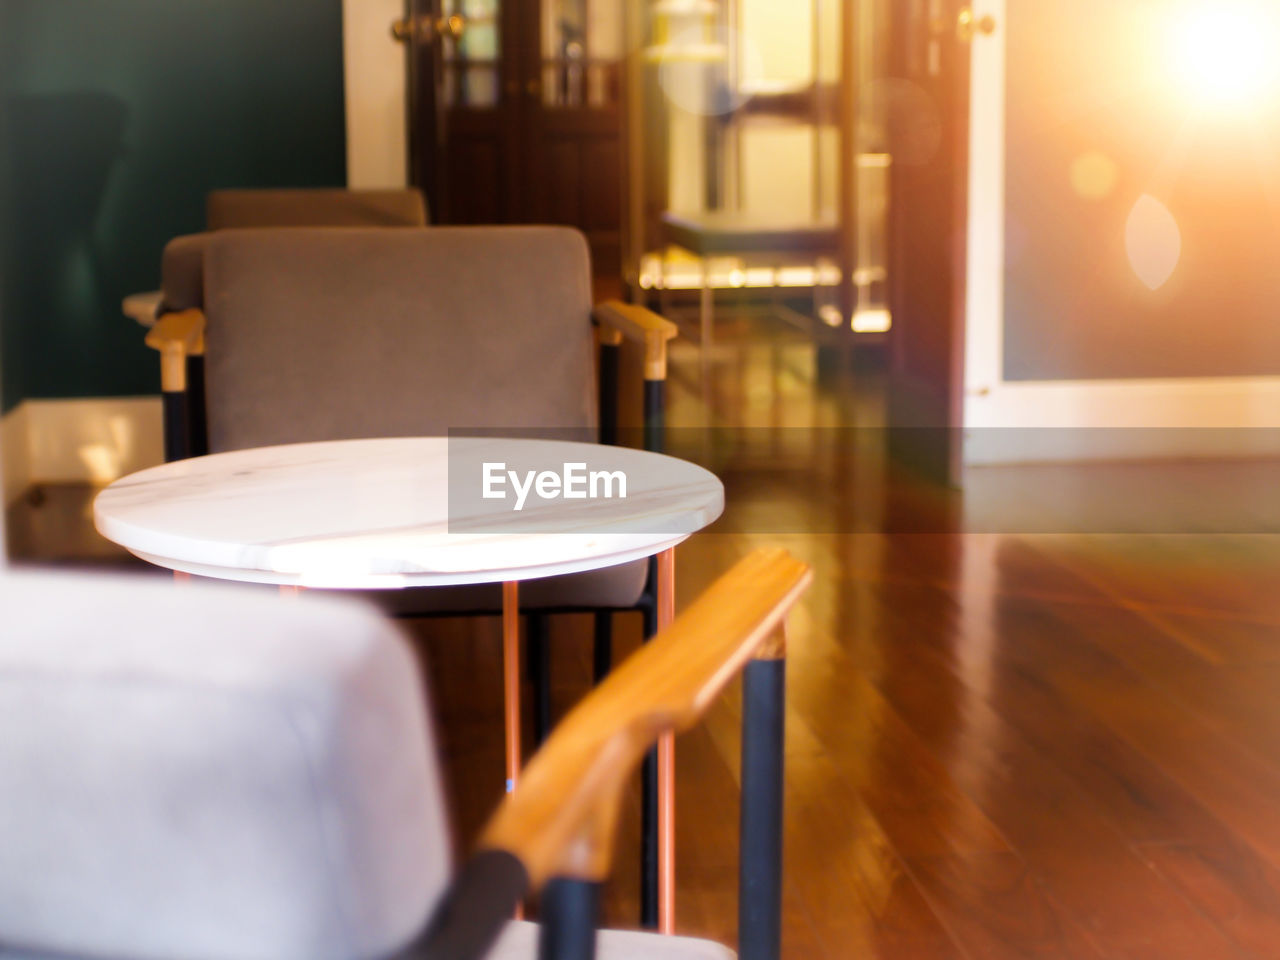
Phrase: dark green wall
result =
(119, 116)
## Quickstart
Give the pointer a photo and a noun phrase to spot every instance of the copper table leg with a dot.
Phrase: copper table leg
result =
(511, 687)
(511, 678)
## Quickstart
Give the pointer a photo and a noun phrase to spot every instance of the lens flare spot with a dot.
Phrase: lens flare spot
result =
(1153, 241)
(1094, 175)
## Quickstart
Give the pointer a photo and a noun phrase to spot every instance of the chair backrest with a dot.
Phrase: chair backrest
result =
(210, 772)
(330, 334)
(228, 209)
(182, 265)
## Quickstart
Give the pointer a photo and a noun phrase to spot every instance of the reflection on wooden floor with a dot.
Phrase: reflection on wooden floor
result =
(999, 745)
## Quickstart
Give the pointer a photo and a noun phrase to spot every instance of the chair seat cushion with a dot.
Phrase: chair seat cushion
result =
(520, 942)
(617, 588)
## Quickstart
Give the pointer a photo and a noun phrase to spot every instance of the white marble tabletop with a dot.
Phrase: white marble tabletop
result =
(388, 513)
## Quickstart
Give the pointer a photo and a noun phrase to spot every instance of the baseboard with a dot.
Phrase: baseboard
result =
(92, 440)
(15, 454)
(1027, 445)
(1040, 422)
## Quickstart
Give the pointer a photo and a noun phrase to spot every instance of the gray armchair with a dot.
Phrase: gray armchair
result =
(332, 334)
(327, 334)
(209, 773)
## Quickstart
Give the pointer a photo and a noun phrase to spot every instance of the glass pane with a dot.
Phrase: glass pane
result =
(776, 171)
(870, 271)
(471, 59)
(581, 46)
(776, 51)
(779, 161)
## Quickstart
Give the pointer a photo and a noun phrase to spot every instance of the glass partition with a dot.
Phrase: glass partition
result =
(745, 118)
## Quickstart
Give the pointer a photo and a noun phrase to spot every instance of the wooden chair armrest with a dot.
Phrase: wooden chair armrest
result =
(177, 336)
(560, 821)
(143, 307)
(617, 319)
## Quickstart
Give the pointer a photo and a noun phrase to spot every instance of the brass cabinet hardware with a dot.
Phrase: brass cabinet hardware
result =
(969, 24)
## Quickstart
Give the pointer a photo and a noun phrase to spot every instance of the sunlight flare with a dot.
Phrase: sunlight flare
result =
(1223, 51)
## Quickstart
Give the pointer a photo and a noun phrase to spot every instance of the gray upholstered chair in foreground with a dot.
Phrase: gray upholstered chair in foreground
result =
(210, 773)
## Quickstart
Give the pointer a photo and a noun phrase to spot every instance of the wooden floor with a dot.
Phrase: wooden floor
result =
(1000, 745)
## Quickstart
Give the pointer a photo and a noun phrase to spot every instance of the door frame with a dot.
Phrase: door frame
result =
(1153, 406)
(375, 71)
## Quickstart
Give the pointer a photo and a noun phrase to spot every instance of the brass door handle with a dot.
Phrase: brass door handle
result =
(452, 27)
(968, 24)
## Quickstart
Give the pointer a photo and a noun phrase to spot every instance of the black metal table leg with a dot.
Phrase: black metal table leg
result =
(602, 646)
(649, 800)
(538, 650)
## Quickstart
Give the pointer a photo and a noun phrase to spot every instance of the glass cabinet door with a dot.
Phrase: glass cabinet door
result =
(471, 46)
(580, 43)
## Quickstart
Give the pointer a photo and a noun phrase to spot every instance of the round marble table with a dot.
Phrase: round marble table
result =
(409, 512)
(389, 513)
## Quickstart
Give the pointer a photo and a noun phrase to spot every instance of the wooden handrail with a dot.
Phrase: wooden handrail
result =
(561, 820)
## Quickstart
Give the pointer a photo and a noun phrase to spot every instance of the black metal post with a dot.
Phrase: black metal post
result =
(760, 865)
(197, 422)
(602, 647)
(539, 653)
(608, 393)
(649, 792)
(655, 404)
(568, 914)
(174, 407)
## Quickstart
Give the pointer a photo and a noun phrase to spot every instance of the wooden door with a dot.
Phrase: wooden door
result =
(926, 109)
(515, 114)
(574, 119)
(465, 108)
